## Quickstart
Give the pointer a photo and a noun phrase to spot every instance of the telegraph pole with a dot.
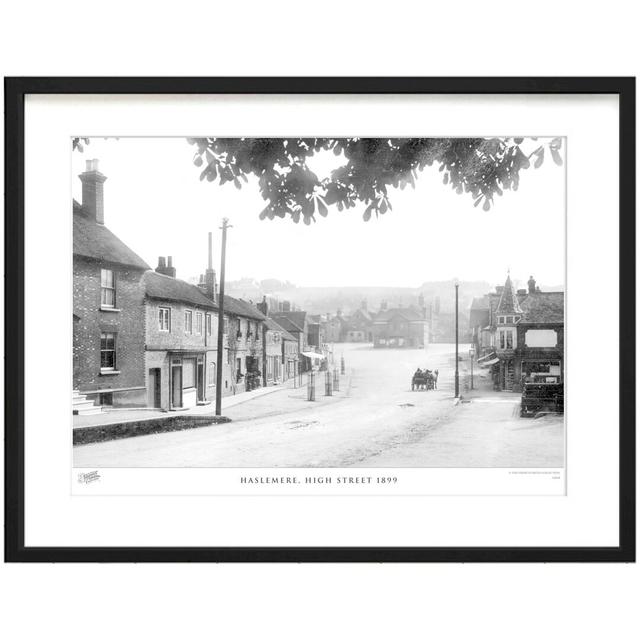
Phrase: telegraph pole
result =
(457, 379)
(224, 227)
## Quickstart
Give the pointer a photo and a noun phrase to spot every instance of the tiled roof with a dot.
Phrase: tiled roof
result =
(364, 313)
(242, 308)
(543, 307)
(95, 241)
(406, 312)
(480, 304)
(272, 325)
(164, 287)
(286, 323)
(508, 300)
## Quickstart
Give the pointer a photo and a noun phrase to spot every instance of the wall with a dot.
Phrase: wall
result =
(128, 323)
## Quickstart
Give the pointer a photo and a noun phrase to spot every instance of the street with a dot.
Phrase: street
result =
(375, 420)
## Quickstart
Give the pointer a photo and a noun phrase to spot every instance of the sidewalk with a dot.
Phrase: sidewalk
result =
(134, 415)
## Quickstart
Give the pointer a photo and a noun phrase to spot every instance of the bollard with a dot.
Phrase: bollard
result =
(336, 380)
(327, 383)
(342, 365)
(311, 386)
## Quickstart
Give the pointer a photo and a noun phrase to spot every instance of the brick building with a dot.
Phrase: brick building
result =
(181, 341)
(108, 309)
(524, 338)
(297, 324)
(400, 327)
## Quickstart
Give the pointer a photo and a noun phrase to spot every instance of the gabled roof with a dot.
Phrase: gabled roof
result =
(291, 320)
(164, 287)
(480, 304)
(508, 300)
(242, 308)
(364, 313)
(288, 324)
(406, 312)
(95, 241)
(543, 307)
(272, 325)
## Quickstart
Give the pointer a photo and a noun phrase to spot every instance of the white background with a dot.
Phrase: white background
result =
(329, 38)
(587, 516)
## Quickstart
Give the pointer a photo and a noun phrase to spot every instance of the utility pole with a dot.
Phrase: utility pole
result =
(224, 227)
(457, 379)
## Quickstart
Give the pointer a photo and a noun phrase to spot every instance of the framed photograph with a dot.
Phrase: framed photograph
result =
(320, 319)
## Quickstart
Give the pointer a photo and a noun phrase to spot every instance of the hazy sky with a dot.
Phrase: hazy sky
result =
(155, 202)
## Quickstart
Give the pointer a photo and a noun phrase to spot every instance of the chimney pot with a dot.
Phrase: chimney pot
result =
(93, 192)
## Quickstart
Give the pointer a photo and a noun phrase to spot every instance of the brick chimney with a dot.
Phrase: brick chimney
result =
(286, 305)
(93, 192)
(263, 306)
(532, 285)
(165, 267)
(210, 274)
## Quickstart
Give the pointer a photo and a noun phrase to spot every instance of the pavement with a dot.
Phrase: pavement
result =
(375, 421)
(109, 416)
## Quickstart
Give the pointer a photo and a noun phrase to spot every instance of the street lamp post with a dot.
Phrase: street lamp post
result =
(457, 377)
(225, 226)
(472, 353)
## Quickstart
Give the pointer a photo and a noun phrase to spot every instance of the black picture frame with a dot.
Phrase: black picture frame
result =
(15, 91)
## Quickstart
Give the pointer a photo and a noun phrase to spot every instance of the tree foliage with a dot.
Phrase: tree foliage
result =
(481, 167)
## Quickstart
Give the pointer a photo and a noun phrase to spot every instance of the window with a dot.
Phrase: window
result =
(164, 319)
(108, 351)
(226, 326)
(107, 288)
(509, 339)
(199, 323)
(188, 322)
(501, 320)
(209, 324)
(212, 373)
(188, 373)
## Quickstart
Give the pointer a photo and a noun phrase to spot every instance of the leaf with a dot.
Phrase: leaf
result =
(539, 153)
(322, 208)
(556, 157)
(518, 140)
(197, 161)
(478, 201)
(487, 205)
(366, 216)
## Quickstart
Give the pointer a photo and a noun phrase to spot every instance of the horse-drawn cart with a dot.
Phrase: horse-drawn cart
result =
(423, 380)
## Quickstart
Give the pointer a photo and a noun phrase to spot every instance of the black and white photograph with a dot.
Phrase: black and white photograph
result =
(318, 303)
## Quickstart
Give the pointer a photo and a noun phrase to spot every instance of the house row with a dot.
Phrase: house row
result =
(519, 334)
(145, 338)
(398, 327)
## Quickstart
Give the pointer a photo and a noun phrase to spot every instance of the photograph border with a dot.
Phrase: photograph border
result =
(16, 89)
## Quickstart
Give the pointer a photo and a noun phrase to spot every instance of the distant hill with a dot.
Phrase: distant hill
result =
(348, 299)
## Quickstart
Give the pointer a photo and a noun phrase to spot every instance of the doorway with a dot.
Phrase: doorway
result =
(176, 386)
(153, 389)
